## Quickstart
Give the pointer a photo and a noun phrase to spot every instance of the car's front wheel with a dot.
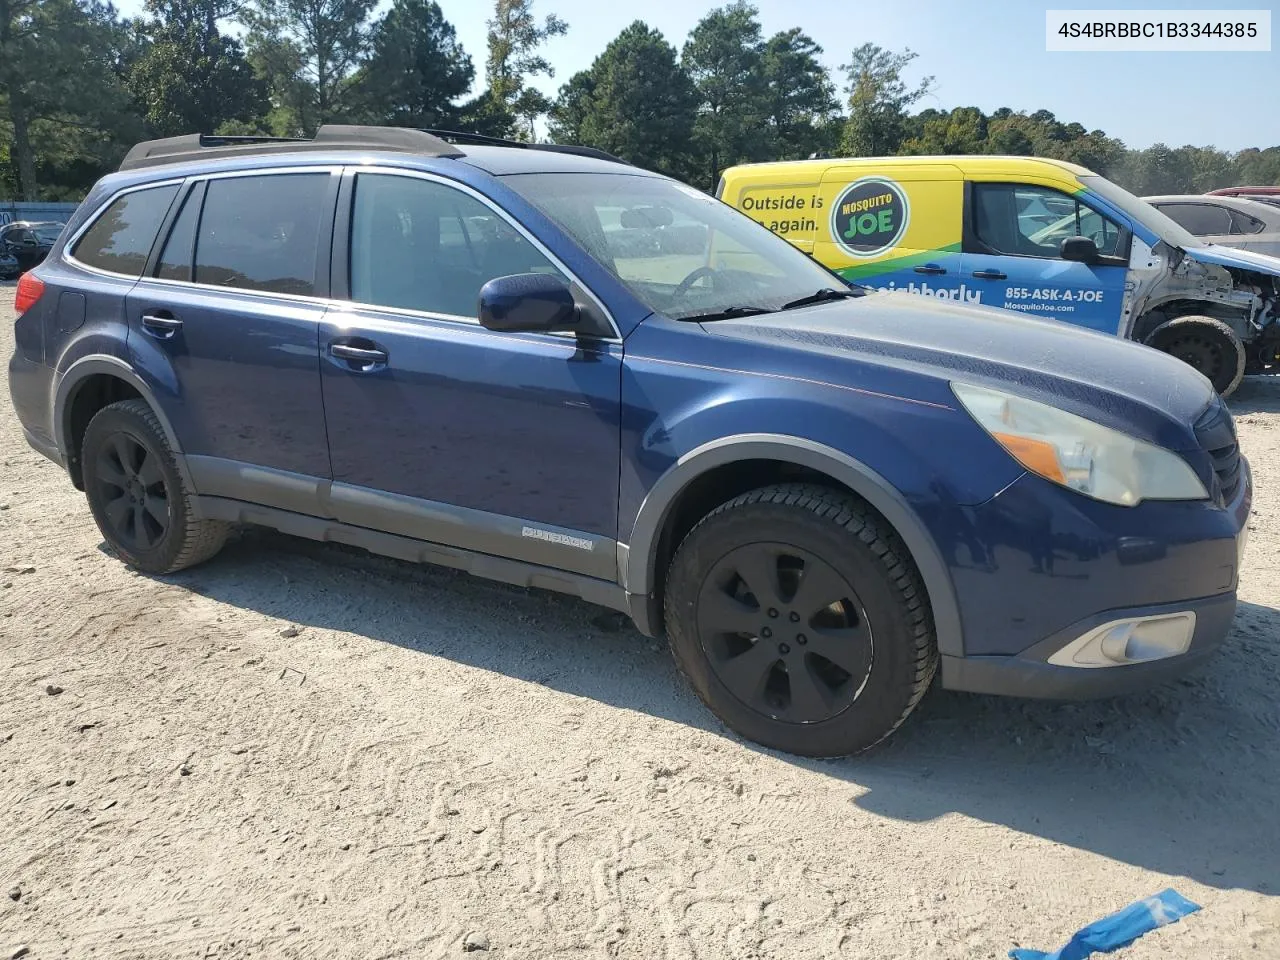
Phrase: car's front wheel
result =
(136, 493)
(800, 620)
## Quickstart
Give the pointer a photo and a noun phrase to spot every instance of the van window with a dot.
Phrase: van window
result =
(120, 239)
(421, 245)
(1202, 219)
(1025, 221)
(260, 233)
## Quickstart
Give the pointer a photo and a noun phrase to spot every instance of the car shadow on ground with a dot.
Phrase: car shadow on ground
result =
(1257, 394)
(1169, 780)
(1177, 779)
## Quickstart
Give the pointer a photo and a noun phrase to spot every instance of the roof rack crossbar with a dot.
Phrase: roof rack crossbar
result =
(329, 137)
(480, 139)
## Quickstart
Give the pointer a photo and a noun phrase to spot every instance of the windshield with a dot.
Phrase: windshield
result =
(1142, 212)
(47, 232)
(680, 251)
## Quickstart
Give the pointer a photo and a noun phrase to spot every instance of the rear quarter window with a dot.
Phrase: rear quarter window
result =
(121, 237)
(1242, 223)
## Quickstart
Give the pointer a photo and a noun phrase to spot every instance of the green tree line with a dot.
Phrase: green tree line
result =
(79, 85)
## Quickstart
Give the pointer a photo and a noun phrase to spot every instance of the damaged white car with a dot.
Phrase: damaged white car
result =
(1213, 306)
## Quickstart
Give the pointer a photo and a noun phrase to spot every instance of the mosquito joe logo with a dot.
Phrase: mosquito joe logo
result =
(869, 217)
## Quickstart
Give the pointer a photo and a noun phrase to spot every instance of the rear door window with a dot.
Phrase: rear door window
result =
(176, 257)
(261, 232)
(120, 239)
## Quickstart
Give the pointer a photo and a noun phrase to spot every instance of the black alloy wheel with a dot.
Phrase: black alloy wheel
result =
(800, 620)
(134, 484)
(784, 632)
(135, 497)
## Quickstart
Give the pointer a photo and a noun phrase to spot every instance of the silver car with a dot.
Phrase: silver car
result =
(1229, 221)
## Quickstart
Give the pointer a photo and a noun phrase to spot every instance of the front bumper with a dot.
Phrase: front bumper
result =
(1058, 567)
(1029, 674)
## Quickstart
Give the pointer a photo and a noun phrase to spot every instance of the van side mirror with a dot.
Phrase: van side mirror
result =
(1079, 250)
(528, 302)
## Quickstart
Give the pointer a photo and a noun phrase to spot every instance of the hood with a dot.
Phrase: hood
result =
(1116, 382)
(1238, 259)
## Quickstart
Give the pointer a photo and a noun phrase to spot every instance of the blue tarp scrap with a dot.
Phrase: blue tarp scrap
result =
(1119, 929)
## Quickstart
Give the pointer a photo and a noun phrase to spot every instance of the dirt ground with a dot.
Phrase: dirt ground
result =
(301, 751)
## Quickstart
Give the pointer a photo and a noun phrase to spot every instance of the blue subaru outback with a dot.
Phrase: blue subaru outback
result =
(548, 367)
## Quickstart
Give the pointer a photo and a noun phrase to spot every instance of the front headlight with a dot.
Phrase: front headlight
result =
(1079, 454)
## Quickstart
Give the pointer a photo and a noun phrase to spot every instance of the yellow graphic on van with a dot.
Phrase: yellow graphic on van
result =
(919, 258)
(869, 216)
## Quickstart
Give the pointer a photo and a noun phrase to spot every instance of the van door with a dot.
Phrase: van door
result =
(895, 228)
(1012, 240)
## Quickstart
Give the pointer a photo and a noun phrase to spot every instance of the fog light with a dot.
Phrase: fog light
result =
(1133, 640)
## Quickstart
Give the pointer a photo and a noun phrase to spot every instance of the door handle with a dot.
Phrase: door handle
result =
(990, 275)
(359, 358)
(162, 324)
(931, 268)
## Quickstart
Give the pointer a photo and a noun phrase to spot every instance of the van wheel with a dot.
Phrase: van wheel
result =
(1208, 345)
(800, 621)
(136, 493)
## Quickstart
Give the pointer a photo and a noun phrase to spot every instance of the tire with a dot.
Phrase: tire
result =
(137, 496)
(799, 673)
(1207, 345)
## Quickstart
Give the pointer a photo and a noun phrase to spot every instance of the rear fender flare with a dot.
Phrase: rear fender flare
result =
(73, 379)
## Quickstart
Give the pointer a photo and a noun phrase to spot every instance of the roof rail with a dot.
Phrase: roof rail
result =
(198, 146)
(479, 139)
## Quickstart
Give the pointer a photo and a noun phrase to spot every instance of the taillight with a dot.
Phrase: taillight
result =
(30, 289)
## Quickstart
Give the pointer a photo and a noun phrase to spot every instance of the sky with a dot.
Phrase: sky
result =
(984, 53)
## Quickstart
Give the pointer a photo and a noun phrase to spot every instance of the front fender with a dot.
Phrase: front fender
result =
(641, 557)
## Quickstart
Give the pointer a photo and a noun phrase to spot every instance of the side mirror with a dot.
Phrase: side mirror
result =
(1079, 250)
(531, 302)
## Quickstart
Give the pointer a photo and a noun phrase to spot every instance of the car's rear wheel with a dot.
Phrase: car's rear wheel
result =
(800, 620)
(1208, 345)
(137, 496)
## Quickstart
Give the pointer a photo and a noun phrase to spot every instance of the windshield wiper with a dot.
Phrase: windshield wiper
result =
(728, 313)
(822, 296)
